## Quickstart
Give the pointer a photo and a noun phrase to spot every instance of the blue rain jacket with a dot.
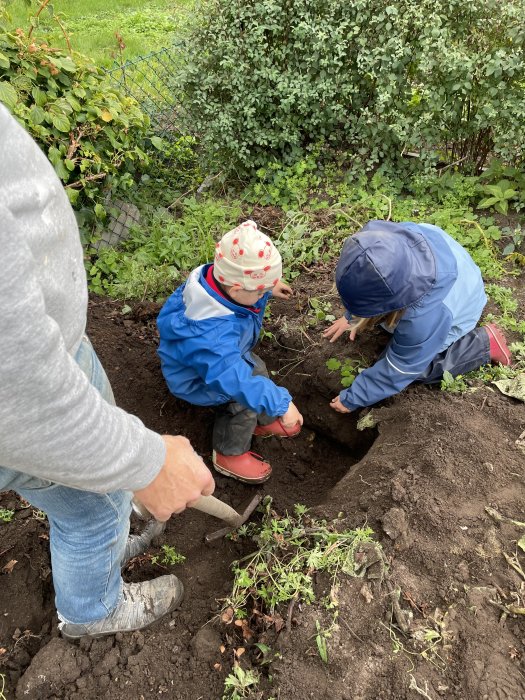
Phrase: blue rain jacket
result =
(388, 266)
(205, 344)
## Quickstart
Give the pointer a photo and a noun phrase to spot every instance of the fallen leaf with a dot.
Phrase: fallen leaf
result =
(222, 648)
(2, 650)
(227, 616)
(239, 652)
(10, 566)
(217, 667)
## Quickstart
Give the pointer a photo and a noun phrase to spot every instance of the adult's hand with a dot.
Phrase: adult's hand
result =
(338, 406)
(338, 328)
(182, 480)
(282, 290)
(291, 417)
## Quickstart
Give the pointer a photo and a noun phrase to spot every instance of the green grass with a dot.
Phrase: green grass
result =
(92, 24)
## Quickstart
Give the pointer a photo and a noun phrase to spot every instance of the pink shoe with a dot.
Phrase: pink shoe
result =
(278, 429)
(499, 351)
(248, 467)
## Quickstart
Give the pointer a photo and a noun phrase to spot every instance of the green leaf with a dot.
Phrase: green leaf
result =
(61, 122)
(39, 96)
(521, 543)
(157, 142)
(347, 380)
(37, 114)
(4, 61)
(488, 202)
(100, 212)
(333, 364)
(8, 94)
(72, 195)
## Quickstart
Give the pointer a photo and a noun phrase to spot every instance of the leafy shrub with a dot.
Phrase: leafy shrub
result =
(94, 136)
(154, 259)
(270, 79)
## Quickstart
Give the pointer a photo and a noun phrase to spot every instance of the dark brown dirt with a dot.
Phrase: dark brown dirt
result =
(422, 479)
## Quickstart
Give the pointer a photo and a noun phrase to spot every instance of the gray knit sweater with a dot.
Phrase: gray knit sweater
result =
(53, 423)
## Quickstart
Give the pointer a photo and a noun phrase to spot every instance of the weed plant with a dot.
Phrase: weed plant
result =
(348, 369)
(169, 557)
(158, 257)
(240, 683)
(290, 551)
(6, 515)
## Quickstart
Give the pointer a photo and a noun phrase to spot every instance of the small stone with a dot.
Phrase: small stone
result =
(394, 523)
(206, 644)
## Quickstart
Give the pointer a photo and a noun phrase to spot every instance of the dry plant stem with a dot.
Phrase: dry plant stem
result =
(40, 10)
(414, 686)
(502, 518)
(290, 612)
(345, 623)
(79, 183)
(513, 561)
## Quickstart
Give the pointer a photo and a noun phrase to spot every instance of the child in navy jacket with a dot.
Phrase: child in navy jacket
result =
(208, 329)
(424, 288)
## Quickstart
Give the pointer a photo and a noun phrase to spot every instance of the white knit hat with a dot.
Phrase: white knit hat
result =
(246, 258)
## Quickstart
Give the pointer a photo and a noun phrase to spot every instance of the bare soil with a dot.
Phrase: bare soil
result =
(422, 478)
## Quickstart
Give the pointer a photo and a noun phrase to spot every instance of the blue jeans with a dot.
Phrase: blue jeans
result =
(87, 531)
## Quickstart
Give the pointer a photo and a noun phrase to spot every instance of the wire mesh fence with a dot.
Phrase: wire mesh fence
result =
(151, 80)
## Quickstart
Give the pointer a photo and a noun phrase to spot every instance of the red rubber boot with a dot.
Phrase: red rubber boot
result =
(278, 429)
(499, 350)
(249, 467)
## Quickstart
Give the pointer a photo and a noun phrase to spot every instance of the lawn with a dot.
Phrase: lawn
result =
(93, 25)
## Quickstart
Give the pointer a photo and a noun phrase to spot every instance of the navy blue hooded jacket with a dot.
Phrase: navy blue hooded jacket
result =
(418, 267)
(205, 344)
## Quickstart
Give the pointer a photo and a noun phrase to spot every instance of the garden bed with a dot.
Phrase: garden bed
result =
(422, 478)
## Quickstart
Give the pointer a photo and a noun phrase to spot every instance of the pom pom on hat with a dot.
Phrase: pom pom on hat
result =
(245, 257)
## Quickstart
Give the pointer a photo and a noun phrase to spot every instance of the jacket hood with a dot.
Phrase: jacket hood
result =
(384, 267)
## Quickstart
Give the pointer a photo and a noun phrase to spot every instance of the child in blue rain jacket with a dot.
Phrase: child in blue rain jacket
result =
(208, 328)
(424, 288)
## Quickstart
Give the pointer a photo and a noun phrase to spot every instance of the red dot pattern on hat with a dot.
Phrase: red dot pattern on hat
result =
(268, 267)
(261, 253)
(221, 278)
(260, 286)
(275, 282)
(248, 272)
(241, 252)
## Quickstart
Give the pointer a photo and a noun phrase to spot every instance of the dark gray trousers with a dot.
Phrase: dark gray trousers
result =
(234, 423)
(466, 354)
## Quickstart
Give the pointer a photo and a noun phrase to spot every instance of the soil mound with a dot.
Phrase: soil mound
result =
(438, 622)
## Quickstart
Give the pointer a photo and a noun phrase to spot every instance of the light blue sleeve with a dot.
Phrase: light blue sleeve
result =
(416, 341)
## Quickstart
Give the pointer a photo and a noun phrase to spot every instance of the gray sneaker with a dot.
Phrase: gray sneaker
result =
(137, 544)
(140, 605)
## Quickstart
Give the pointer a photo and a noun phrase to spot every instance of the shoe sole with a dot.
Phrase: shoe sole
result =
(244, 480)
(280, 437)
(98, 635)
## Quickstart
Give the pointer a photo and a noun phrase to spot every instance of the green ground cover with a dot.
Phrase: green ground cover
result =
(92, 25)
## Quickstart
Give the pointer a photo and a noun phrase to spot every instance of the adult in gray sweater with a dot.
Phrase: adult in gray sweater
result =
(64, 445)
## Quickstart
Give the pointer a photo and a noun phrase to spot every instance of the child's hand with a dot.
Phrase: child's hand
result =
(338, 406)
(291, 417)
(338, 328)
(282, 290)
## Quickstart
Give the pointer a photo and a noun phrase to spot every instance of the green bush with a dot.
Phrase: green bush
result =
(93, 135)
(271, 79)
